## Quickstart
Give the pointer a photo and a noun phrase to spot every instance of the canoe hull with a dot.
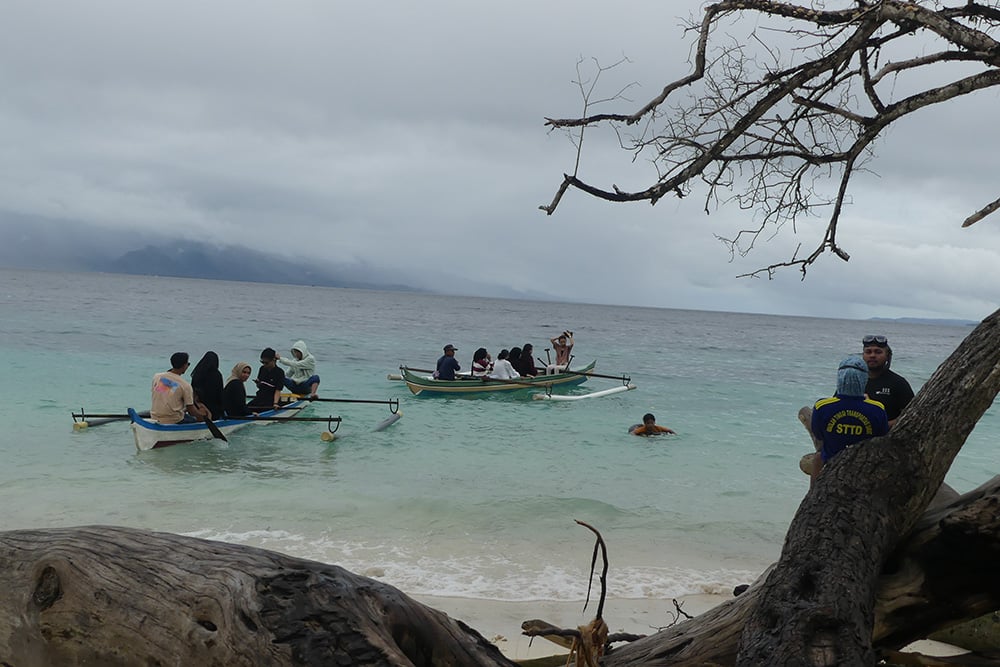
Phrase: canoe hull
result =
(423, 385)
(150, 434)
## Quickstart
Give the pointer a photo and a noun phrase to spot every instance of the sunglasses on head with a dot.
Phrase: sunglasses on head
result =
(877, 340)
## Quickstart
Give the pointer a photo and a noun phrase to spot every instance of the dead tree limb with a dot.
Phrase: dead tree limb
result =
(764, 123)
(941, 575)
(101, 595)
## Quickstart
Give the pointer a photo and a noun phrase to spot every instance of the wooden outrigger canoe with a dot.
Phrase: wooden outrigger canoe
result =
(425, 385)
(150, 434)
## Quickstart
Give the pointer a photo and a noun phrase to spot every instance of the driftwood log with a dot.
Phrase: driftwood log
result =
(100, 595)
(119, 596)
(944, 573)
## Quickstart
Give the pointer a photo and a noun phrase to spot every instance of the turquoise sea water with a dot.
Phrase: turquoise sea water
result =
(462, 497)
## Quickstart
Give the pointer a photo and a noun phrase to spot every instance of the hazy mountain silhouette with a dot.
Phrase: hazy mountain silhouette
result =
(50, 244)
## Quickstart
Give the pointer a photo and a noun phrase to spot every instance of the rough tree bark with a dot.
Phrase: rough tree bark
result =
(122, 596)
(760, 128)
(943, 573)
(109, 596)
(817, 606)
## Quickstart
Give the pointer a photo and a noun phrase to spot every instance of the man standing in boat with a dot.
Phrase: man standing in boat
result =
(562, 345)
(173, 397)
(447, 365)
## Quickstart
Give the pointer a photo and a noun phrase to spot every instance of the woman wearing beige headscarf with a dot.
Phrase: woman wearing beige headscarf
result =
(234, 396)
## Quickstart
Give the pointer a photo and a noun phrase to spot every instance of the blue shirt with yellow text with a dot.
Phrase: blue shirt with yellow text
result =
(842, 421)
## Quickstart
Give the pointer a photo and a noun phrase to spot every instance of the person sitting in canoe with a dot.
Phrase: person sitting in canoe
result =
(526, 365)
(502, 369)
(234, 395)
(270, 381)
(562, 345)
(447, 365)
(206, 380)
(649, 426)
(301, 378)
(515, 358)
(481, 363)
(173, 398)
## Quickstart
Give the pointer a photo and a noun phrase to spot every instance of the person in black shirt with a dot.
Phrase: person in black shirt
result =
(206, 380)
(270, 381)
(234, 395)
(888, 388)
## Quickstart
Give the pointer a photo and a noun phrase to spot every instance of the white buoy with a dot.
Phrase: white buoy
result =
(393, 376)
(580, 397)
(388, 421)
(79, 426)
(326, 436)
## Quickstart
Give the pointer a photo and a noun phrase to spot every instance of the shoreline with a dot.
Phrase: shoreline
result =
(500, 621)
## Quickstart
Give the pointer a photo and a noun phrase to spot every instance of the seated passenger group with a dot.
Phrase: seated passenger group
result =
(175, 401)
(509, 365)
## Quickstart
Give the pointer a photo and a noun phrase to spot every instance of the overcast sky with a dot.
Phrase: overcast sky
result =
(410, 135)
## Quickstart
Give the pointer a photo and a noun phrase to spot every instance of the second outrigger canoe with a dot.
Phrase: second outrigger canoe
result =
(150, 434)
(425, 385)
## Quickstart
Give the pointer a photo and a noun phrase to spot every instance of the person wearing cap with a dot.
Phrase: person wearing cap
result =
(270, 381)
(447, 365)
(847, 417)
(885, 386)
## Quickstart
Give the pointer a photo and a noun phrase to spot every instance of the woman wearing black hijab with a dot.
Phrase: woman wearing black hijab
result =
(206, 380)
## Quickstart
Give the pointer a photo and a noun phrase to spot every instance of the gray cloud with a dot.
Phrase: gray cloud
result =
(411, 136)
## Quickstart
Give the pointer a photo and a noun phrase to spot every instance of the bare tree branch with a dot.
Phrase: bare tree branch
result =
(769, 131)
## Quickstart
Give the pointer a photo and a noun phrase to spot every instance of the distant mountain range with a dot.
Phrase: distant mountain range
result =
(189, 259)
(65, 245)
(926, 320)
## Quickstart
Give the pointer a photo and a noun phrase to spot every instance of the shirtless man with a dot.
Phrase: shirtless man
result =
(649, 426)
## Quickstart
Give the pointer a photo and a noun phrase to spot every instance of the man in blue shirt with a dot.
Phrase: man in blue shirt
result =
(846, 418)
(447, 365)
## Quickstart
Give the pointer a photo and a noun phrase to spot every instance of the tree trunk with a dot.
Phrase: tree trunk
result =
(942, 574)
(91, 594)
(817, 605)
(118, 596)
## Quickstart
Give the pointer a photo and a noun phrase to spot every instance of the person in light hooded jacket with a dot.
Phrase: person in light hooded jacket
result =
(301, 377)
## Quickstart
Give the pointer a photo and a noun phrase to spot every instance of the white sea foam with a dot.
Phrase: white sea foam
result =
(461, 497)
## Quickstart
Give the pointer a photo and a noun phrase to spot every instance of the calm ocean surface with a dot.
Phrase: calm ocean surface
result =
(462, 497)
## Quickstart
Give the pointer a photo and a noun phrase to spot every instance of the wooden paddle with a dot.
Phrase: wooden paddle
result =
(621, 377)
(393, 403)
(214, 430)
(541, 383)
(285, 419)
(458, 376)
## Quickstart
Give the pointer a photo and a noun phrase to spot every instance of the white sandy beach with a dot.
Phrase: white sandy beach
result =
(500, 622)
